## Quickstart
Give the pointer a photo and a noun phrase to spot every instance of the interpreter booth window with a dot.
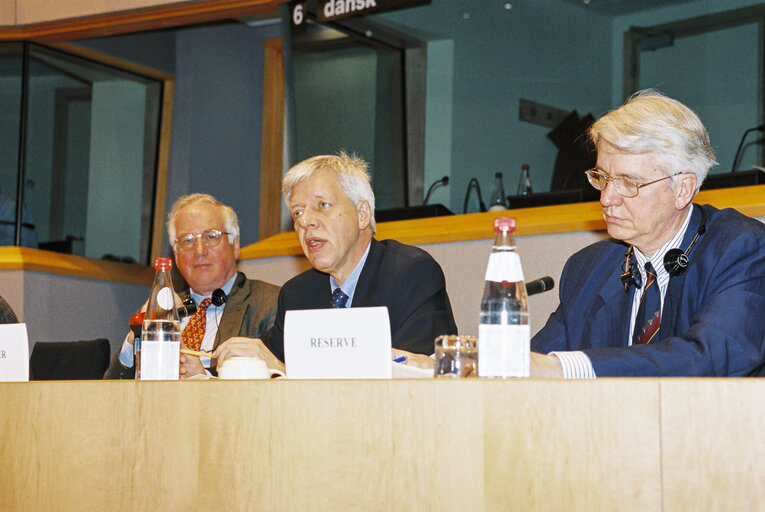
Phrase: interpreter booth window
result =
(349, 95)
(80, 153)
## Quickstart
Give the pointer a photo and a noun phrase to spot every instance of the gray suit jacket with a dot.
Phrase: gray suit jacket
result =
(250, 311)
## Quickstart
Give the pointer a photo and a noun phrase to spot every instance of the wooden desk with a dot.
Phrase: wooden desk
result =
(610, 444)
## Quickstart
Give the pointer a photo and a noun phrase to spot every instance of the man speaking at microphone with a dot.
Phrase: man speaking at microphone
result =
(331, 203)
(678, 289)
(205, 237)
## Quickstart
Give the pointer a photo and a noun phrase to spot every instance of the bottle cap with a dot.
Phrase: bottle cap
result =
(137, 319)
(498, 175)
(163, 264)
(525, 166)
(504, 224)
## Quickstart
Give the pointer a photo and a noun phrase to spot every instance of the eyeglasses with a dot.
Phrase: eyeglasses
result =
(623, 186)
(211, 238)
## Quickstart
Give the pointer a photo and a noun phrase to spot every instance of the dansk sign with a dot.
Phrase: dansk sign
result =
(329, 10)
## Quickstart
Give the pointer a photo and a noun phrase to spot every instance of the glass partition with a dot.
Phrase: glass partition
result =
(85, 142)
(517, 82)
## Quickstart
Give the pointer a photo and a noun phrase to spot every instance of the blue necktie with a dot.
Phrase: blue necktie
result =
(339, 298)
(649, 312)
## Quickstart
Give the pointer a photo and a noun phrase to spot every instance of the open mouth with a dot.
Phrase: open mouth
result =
(314, 243)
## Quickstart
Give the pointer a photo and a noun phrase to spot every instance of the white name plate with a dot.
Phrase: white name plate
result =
(14, 353)
(343, 343)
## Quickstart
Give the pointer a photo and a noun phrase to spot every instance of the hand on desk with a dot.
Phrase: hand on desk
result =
(412, 359)
(190, 366)
(545, 366)
(247, 347)
(541, 365)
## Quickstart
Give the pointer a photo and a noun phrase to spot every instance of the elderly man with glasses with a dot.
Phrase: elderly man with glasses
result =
(678, 289)
(205, 237)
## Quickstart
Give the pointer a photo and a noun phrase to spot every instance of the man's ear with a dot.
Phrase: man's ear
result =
(236, 247)
(685, 190)
(365, 215)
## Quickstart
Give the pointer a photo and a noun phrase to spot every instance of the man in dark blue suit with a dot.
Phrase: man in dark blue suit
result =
(332, 206)
(678, 289)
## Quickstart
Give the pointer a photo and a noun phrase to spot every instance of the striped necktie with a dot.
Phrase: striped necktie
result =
(649, 312)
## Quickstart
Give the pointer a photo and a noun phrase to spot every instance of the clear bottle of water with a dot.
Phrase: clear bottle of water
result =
(498, 197)
(504, 332)
(524, 184)
(157, 355)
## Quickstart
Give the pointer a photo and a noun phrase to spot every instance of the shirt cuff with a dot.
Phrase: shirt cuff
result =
(576, 365)
(126, 357)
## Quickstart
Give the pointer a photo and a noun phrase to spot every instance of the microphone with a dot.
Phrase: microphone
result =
(759, 128)
(442, 182)
(188, 308)
(540, 285)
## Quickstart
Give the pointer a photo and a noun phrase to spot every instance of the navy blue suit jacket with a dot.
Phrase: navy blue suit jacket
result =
(406, 279)
(713, 320)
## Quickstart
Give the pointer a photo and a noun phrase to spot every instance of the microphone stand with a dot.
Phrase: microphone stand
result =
(741, 144)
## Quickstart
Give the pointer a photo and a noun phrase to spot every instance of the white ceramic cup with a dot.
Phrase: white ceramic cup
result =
(246, 368)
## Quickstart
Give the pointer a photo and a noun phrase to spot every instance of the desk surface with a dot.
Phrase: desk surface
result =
(610, 444)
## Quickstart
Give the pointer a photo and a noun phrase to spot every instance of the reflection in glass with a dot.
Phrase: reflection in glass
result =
(90, 138)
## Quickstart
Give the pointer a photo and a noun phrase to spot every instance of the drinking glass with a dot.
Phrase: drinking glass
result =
(456, 356)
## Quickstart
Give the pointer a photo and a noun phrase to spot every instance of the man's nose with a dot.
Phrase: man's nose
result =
(199, 246)
(609, 196)
(307, 219)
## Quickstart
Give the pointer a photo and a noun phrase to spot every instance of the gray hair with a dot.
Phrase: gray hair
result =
(651, 122)
(350, 171)
(231, 220)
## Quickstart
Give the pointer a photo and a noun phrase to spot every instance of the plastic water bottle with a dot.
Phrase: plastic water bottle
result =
(157, 355)
(524, 184)
(504, 332)
(498, 197)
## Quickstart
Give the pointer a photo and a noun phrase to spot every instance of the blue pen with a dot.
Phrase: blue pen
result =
(400, 359)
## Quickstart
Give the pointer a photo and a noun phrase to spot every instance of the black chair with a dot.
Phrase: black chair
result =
(69, 360)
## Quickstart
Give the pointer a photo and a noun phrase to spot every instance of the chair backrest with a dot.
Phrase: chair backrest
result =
(69, 360)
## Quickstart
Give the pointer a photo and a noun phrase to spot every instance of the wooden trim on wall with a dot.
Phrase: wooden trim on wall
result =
(541, 220)
(163, 165)
(162, 16)
(24, 258)
(271, 165)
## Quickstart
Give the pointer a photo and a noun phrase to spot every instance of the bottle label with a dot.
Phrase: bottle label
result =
(503, 350)
(504, 266)
(159, 360)
(165, 298)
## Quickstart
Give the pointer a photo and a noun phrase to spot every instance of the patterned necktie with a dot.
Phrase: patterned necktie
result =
(194, 332)
(649, 312)
(339, 298)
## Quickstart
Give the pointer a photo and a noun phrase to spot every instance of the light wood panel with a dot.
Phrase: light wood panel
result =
(609, 444)
(272, 165)
(52, 20)
(23, 258)
(717, 425)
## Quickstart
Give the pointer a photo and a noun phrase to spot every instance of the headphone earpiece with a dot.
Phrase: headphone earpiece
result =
(219, 297)
(675, 262)
(631, 275)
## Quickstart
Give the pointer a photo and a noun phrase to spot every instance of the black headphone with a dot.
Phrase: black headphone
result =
(675, 260)
(219, 297)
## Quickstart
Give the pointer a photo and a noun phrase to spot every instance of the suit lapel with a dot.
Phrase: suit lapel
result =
(613, 316)
(676, 283)
(233, 312)
(368, 275)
